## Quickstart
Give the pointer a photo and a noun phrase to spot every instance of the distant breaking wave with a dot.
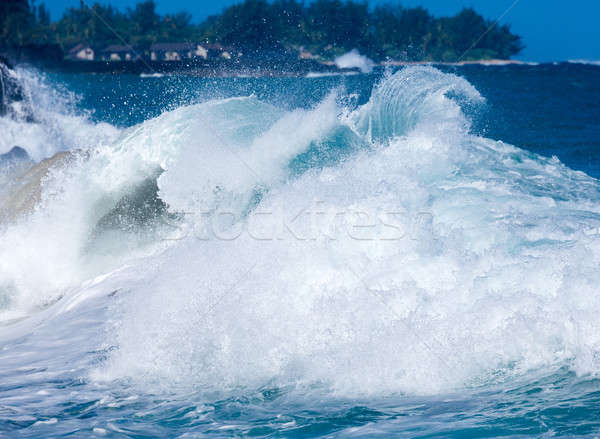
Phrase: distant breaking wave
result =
(585, 61)
(354, 59)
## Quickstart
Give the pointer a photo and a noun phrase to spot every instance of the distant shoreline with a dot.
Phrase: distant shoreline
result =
(214, 68)
(49, 58)
(229, 69)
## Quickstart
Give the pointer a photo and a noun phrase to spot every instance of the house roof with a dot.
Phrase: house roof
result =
(172, 46)
(118, 48)
(79, 47)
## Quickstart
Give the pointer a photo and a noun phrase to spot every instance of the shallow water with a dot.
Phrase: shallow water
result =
(340, 256)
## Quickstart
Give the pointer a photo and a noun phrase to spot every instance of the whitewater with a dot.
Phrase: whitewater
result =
(232, 267)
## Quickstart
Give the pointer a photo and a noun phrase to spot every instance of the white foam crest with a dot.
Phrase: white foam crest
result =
(413, 97)
(217, 169)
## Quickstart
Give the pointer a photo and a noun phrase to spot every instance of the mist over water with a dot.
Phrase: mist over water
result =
(234, 266)
(58, 125)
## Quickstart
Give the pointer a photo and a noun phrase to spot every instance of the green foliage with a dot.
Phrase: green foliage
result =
(401, 33)
(250, 25)
(324, 27)
(16, 21)
(330, 27)
(337, 25)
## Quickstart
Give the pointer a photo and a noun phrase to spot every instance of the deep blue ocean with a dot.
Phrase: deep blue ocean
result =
(408, 253)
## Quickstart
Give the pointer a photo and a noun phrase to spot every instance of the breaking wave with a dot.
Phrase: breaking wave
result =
(366, 250)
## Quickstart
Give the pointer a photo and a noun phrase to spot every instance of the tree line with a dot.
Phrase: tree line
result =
(325, 28)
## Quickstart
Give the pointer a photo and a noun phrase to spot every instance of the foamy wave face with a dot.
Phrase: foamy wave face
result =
(43, 206)
(94, 210)
(426, 260)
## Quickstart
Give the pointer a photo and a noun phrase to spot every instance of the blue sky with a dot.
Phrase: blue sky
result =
(551, 29)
